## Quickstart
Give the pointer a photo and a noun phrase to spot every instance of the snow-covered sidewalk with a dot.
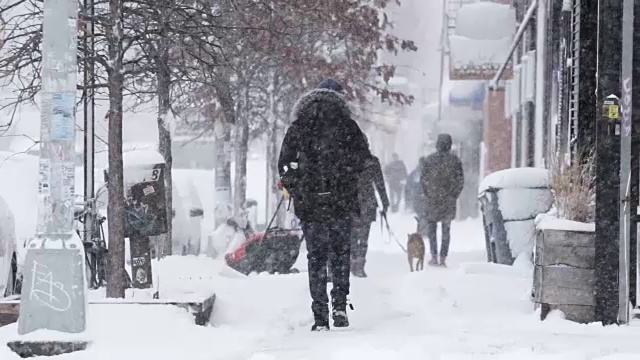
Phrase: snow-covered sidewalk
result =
(472, 310)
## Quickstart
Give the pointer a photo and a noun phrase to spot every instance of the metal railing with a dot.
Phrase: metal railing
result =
(516, 41)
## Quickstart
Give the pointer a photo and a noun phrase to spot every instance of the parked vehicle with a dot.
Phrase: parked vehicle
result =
(9, 284)
(510, 201)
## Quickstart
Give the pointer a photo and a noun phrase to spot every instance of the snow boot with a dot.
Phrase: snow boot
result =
(320, 317)
(433, 261)
(443, 261)
(357, 268)
(340, 319)
(320, 325)
(339, 314)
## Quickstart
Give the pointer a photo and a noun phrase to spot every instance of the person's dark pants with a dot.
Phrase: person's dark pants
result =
(360, 238)
(432, 230)
(395, 195)
(322, 239)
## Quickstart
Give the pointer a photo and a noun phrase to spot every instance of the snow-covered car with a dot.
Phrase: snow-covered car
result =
(188, 214)
(19, 191)
(510, 201)
(8, 251)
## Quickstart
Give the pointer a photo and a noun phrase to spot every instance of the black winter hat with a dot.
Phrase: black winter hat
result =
(331, 84)
(444, 143)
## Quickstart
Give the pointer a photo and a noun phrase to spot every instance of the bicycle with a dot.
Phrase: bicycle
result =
(95, 246)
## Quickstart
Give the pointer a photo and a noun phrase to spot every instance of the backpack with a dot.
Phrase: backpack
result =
(328, 166)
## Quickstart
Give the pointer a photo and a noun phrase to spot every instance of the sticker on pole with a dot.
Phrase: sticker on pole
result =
(611, 108)
(63, 119)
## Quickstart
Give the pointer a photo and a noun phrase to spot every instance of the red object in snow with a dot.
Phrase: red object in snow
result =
(242, 250)
(274, 253)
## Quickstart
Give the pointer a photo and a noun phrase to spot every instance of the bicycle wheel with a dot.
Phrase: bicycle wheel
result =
(90, 269)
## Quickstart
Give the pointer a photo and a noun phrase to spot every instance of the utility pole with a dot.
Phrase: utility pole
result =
(626, 203)
(89, 115)
(54, 290)
(608, 131)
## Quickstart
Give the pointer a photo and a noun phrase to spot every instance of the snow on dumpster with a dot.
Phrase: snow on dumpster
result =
(498, 21)
(516, 178)
(521, 194)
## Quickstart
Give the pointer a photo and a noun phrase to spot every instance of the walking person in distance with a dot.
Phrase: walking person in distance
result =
(442, 181)
(370, 181)
(396, 174)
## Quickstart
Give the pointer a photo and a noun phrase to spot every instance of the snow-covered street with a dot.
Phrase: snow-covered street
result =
(472, 310)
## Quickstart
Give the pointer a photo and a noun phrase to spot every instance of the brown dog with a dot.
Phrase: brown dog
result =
(415, 249)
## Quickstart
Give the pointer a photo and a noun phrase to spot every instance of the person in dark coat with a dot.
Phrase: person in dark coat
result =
(396, 174)
(442, 181)
(371, 180)
(322, 155)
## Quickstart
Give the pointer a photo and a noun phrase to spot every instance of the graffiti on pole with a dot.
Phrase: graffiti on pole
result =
(625, 104)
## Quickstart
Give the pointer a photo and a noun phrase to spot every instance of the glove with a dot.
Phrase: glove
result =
(285, 193)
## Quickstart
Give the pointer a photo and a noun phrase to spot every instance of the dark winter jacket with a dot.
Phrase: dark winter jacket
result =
(413, 193)
(371, 180)
(324, 111)
(395, 172)
(442, 181)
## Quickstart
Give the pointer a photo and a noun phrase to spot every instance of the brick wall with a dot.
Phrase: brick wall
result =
(496, 133)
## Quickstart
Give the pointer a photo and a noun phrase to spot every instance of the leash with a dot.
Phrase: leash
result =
(391, 234)
(275, 214)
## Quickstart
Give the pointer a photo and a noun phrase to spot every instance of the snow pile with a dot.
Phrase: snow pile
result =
(524, 203)
(521, 206)
(224, 240)
(498, 21)
(523, 194)
(550, 221)
(526, 177)
(143, 157)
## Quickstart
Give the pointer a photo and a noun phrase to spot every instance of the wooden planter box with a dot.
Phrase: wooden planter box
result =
(564, 275)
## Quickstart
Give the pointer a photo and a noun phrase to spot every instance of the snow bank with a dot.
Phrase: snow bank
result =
(472, 55)
(486, 21)
(516, 178)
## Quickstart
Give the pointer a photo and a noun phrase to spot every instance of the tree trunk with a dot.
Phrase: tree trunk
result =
(241, 152)
(164, 141)
(223, 201)
(242, 149)
(273, 174)
(115, 207)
